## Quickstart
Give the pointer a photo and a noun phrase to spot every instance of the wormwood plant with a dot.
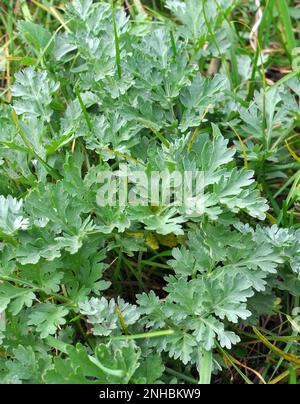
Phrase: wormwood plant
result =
(136, 294)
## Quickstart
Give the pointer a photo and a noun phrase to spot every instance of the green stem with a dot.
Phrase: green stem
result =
(153, 334)
(34, 287)
(206, 367)
(181, 376)
(48, 168)
(85, 113)
(117, 44)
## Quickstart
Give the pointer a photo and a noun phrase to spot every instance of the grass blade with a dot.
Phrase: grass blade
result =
(117, 44)
(283, 12)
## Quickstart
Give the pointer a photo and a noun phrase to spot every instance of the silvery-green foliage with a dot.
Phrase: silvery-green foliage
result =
(33, 90)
